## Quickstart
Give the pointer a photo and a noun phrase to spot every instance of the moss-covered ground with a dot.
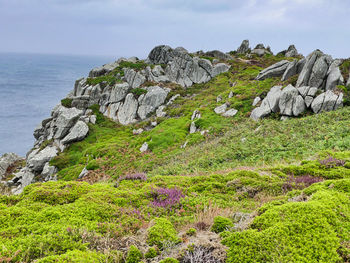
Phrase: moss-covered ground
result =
(291, 177)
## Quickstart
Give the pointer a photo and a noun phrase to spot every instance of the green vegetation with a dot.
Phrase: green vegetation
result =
(151, 253)
(313, 231)
(221, 224)
(67, 102)
(191, 232)
(162, 232)
(134, 255)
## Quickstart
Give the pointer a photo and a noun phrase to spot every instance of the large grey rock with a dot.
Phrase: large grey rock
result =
(260, 50)
(348, 82)
(300, 65)
(37, 158)
(287, 99)
(269, 104)
(306, 71)
(7, 160)
(65, 118)
(161, 55)
(127, 110)
(290, 71)
(292, 51)
(134, 78)
(275, 70)
(118, 92)
(220, 68)
(273, 97)
(79, 87)
(327, 101)
(334, 76)
(315, 70)
(77, 133)
(154, 97)
(319, 72)
(244, 47)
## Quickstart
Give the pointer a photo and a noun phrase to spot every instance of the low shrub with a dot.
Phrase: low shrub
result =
(221, 224)
(67, 102)
(191, 232)
(151, 253)
(134, 255)
(161, 233)
(133, 177)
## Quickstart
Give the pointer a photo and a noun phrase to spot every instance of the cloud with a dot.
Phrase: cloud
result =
(133, 27)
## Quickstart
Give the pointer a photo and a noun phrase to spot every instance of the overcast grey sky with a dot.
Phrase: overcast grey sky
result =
(134, 27)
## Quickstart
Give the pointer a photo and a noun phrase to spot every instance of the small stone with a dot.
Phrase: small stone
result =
(193, 128)
(230, 113)
(144, 147)
(256, 101)
(219, 98)
(138, 131)
(154, 123)
(230, 95)
(221, 109)
(83, 173)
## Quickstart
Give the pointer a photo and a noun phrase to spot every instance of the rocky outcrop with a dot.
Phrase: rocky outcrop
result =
(260, 50)
(218, 54)
(244, 47)
(316, 70)
(290, 52)
(186, 70)
(291, 101)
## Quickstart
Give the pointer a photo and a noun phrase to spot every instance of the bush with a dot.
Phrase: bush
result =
(162, 232)
(165, 197)
(67, 103)
(134, 255)
(312, 231)
(221, 224)
(151, 253)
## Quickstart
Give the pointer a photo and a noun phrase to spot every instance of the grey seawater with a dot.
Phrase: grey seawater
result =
(30, 86)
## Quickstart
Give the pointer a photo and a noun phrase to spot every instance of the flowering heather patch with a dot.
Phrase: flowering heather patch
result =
(136, 176)
(331, 162)
(165, 197)
(300, 182)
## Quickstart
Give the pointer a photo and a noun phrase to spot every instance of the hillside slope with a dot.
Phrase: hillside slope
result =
(192, 184)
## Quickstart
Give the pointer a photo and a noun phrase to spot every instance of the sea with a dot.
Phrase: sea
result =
(30, 86)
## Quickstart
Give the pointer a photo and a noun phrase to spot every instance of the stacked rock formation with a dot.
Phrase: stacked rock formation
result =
(318, 74)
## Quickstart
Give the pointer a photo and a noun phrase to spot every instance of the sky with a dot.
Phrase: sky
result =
(133, 27)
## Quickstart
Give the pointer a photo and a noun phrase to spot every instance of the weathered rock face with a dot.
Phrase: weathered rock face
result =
(327, 101)
(275, 70)
(244, 47)
(154, 98)
(290, 102)
(183, 69)
(218, 54)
